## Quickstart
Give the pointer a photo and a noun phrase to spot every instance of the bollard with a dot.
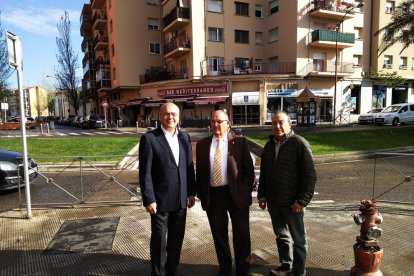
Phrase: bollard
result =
(367, 253)
(136, 125)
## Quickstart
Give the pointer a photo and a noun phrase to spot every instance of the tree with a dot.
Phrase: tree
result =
(67, 59)
(400, 29)
(5, 70)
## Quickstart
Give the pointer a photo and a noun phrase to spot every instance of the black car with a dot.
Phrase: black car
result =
(9, 175)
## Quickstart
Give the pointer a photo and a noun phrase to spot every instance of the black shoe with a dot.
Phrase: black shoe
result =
(282, 270)
(224, 271)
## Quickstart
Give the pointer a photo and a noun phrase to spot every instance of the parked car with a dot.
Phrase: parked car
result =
(93, 121)
(368, 118)
(396, 114)
(10, 172)
(79, 121)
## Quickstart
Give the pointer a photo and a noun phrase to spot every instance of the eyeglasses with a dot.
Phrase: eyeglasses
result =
(218, 122)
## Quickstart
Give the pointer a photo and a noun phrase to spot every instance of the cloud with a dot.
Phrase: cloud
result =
(38, 21)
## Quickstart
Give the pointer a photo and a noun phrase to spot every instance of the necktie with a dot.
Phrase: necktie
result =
(217, 181)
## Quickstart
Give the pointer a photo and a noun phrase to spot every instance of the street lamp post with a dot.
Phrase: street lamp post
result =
(337, 27)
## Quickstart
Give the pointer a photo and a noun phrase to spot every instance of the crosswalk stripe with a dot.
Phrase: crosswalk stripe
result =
(88, 133)
(74, 134)
(62, 134)
(101, 133)
(113, 132)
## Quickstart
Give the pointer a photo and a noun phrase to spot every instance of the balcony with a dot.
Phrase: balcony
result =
(86, 20)
(325, 68)
(328, 10)
(97, 4)
(99, 21)
(177, 46)
(255, 69)
(88, 56)
(327, 39)
(155, 74)
(176, 19)
(101, 43)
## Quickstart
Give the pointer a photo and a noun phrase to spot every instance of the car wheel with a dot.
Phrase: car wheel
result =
(395, 121)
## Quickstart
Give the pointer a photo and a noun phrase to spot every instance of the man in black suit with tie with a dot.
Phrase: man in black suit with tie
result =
(167, 181)
(224, 186)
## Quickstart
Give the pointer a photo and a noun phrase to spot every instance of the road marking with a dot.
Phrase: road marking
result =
(88, 133)
(62, 134)
(74, 134)
(101, 133)
(113, 132)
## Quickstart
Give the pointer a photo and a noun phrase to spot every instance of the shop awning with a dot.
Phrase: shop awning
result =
(134, 102)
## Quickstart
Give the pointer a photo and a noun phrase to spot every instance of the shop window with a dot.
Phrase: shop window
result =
(355, 100)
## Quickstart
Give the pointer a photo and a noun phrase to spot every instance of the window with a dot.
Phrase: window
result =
(241, 8)
(412, 64)
(112, 49)
(258, 65)
(152, 2)
(258, 38)
(242, 63)
(274, 35)
(154, 48)
(273, 64)
(403, 63)
(389, 7)
(153, 24)
(241, 36)
(387, 62)
(215, 5)
(357, 61)
(215, 34)
(358, 33)
(273, 6)
(215, 64)
(259, 11)
(114, 73)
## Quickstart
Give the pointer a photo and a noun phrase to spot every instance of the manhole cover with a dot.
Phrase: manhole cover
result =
(84, 235)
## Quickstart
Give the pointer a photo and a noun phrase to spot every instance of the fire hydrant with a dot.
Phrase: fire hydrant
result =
(367, 253)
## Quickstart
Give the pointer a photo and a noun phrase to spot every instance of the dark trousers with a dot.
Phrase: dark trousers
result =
(167, 234)
(220, 206)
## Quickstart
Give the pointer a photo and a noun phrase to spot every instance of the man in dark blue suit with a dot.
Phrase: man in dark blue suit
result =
(166, 177)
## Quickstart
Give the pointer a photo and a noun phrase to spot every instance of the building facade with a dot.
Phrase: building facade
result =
(251, 58)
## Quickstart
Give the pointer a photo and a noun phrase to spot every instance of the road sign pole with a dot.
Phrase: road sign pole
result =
(15, 61)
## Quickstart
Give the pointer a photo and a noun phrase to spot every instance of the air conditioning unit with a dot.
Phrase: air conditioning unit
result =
(387, 66)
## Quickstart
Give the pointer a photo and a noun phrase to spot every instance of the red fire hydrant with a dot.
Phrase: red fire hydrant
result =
(367, 253)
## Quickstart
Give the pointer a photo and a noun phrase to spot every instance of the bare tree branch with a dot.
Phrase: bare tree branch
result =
(67, 63)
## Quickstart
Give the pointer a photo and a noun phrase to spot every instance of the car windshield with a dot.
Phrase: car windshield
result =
(376, 110)
(391, 109)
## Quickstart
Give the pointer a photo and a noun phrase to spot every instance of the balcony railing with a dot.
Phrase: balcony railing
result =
(155, 74)
(328, 35)
(176, 13)
(258, 68)
(323, 67)
(176, 43)
(330, 5)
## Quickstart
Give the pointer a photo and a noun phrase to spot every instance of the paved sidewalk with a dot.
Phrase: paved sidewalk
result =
(331, 233)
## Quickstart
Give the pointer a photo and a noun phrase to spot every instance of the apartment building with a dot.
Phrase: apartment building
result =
(35, 100)
(251, 58)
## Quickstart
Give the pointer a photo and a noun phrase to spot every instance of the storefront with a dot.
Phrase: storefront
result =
(246, 108)
(281, 99)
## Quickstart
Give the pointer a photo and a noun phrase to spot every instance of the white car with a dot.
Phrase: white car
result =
(368, 118)
(396, 114)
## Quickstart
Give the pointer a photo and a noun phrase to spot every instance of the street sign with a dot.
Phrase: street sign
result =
(4, 106)
(104, 104)
(14, 50)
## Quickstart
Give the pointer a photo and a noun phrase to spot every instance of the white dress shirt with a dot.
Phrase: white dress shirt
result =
(172, 140)
(225, 154)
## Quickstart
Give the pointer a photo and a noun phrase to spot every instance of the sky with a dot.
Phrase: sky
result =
(35, 22)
